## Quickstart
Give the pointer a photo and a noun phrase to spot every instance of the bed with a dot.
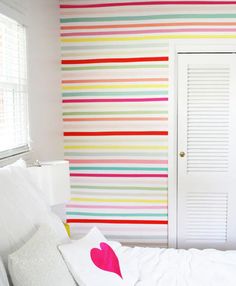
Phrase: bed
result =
(150, 266)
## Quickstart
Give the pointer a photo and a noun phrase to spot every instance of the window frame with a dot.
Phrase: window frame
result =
(13, 13)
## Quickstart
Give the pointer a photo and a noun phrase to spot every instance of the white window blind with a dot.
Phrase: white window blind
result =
(14, 134)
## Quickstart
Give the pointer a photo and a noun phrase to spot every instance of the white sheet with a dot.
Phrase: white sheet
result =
(171, 267)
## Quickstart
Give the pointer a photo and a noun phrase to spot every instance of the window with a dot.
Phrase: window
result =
(14, 131)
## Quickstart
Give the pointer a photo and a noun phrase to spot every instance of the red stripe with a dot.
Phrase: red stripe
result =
(117, 221)
(102, 5)
(117, 133)
(114, 60)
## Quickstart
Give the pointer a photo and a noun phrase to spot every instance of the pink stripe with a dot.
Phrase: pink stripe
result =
(114, 80)
(145, 32)
(116, 119)
(116, 207)
(79, 228)
(114, 100)
(119, 175)
(118, 161)
(103, 5)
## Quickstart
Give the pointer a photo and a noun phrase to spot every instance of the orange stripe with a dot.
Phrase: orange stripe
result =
(116, 119)
(148, 25)
(115, 80)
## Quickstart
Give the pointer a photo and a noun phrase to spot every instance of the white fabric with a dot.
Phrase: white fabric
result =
(22, 210)
(77, 255)
(171, 267)
(39, 262)
(3, 275)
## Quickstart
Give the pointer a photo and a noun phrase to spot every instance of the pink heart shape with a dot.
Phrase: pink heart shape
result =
(106, 259)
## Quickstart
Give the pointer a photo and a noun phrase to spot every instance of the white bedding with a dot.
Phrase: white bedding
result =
(171, 267)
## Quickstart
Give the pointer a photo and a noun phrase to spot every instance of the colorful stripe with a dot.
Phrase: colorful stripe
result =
(160, 31)
(110, 200)
(144, 25)
(113, 60)
(116, 119)
(116, 161)
(149, 17)
(117, 221)
(110, 168)
(114, 100)
(114, 80)
(118, 133)
(116, 93)
(77, 206)
(146, 3)
(119, 175)
(116, 214)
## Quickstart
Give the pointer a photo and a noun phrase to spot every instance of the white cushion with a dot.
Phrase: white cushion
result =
(39, 263)
(93, 262)
(3, 275)
(22, 210)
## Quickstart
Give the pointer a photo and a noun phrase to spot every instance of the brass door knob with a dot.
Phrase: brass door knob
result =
(182, 154)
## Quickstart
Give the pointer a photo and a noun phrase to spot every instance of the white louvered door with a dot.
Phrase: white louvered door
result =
(207, 151)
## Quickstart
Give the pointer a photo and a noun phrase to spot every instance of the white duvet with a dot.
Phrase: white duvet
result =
(171, 267)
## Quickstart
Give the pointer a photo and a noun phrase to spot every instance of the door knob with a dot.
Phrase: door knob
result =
(182, 154)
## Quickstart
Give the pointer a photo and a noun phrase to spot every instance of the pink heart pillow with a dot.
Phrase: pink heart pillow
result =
(94, 261)
(106, 259)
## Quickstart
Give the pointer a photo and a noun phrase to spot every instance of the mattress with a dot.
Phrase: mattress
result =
(172, 267)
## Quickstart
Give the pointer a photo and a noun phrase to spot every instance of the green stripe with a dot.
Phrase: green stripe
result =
(148, 153)
(115, 112)
(134, 188)
(118, 214)
(117, 169)
(116, 194)
(148, 17)
(115, 93)
(78, 68)
(117, 47)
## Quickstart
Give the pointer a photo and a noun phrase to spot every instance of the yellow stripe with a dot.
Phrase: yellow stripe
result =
(141, 38)
(117, 147)
(78, 87)
(118, 200)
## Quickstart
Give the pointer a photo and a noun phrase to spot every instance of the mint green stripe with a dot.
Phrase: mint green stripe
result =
(80, 68)
(118, 214)
(117, 47)
(148, 17)
(117, 169)
(115, 93)
(133, 188)
(114, 112)
(148, 153)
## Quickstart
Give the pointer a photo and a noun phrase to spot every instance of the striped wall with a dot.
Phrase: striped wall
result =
(115, 107)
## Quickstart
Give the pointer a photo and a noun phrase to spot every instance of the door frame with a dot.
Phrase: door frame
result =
(175, 47)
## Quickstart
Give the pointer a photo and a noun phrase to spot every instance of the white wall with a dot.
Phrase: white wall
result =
(41, 18)
(44, 79)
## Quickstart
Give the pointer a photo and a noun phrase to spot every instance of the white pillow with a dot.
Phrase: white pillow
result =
(39, 263)
(93, 262)
(22, 210)
(3, 275)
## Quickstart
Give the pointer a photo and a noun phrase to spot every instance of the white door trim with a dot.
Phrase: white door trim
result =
(177, 46)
